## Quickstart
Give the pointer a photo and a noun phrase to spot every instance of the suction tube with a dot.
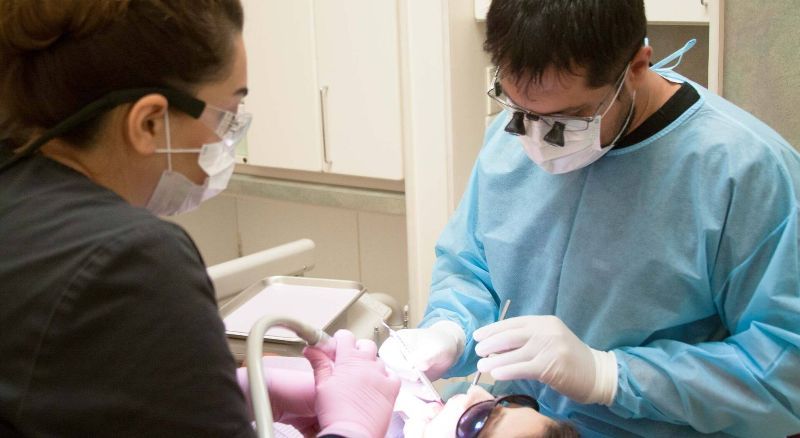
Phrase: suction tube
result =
(262, 410)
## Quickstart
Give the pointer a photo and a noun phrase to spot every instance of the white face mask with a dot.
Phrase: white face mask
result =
(176, 194)
(578, 148)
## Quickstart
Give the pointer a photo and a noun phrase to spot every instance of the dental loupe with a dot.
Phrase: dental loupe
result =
(262, 409)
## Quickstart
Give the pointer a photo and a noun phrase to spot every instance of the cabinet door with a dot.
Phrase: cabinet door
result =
(658, 11)
(284, 98)
(677, 11)
(358, 62)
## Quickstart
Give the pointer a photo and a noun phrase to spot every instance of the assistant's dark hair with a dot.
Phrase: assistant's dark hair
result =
(525, 37)
(58, 56)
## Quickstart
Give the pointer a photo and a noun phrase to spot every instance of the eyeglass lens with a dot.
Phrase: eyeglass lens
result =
(476, 416)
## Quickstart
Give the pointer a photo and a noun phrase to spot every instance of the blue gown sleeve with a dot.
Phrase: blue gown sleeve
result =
(748, 382)
(461, 287)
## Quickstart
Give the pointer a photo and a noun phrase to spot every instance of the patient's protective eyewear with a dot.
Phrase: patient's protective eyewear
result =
(476, 416)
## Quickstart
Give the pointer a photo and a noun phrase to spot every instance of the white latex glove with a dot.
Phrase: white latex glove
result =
(433, 350)
(543, 348)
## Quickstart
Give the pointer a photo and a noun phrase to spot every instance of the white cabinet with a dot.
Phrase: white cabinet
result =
(324, 79)
(658, 11)
(677, 11)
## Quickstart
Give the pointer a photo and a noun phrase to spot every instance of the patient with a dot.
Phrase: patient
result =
(290, 381)
(479, 414)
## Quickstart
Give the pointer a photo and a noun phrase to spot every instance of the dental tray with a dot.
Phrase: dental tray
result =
(316, 301)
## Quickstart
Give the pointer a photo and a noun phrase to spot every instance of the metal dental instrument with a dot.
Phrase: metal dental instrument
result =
(407, 354)
(502, 317)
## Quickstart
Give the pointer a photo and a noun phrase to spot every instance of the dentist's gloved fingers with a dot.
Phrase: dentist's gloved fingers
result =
(488, 364)
(391, 353)
(421, 352)
(512, 371)
(396, 363)
(431, 350)
(500, 327)
(500, 342)
(552, 354)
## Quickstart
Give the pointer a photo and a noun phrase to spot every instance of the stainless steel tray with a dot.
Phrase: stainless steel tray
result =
(259, 286)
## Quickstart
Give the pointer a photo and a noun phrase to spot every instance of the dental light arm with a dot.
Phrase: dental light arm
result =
(262, 410)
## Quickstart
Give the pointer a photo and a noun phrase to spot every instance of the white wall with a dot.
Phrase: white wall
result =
(468, 98)
(350, 245)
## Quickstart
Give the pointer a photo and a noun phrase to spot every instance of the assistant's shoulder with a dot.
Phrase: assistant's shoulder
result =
(133, 227)
(130, 245)
(144, 235)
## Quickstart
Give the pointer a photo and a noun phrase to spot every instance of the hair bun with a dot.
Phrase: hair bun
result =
(29, 25)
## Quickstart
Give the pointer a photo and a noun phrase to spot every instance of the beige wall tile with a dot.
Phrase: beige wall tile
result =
(383, 255)
(762, 63)
(213, 228)
(266, 223)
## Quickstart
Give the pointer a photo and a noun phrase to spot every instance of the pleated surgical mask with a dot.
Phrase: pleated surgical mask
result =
(563, 144)
(174, 193)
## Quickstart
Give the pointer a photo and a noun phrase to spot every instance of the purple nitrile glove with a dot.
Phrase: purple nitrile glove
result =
(355, 394)
(291, 387)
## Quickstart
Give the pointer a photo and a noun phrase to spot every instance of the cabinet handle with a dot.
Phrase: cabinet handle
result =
(323, 105)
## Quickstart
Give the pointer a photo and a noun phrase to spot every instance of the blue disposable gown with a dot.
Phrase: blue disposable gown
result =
(679, 254)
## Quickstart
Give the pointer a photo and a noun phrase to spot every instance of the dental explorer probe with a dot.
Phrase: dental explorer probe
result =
(502, 317)
(426, 382)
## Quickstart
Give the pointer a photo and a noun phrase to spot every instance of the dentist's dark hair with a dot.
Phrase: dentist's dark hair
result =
(58, 56)
(525, 37)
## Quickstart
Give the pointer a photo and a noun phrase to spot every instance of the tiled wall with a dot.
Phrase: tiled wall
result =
(350, 245)
(762, 62)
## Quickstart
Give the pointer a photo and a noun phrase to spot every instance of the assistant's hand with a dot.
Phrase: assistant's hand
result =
(291, 388)
(433, 350)
(355, 395)
(543, 348)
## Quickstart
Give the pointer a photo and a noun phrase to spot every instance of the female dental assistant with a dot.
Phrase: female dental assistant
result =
(112, 113)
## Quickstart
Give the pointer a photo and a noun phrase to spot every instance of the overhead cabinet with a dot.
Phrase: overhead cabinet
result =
(324, 79)
(678, 11)
(658, 11)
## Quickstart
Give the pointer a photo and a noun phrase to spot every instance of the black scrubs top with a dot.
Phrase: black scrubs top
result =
(673, 108)
(108, 322)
